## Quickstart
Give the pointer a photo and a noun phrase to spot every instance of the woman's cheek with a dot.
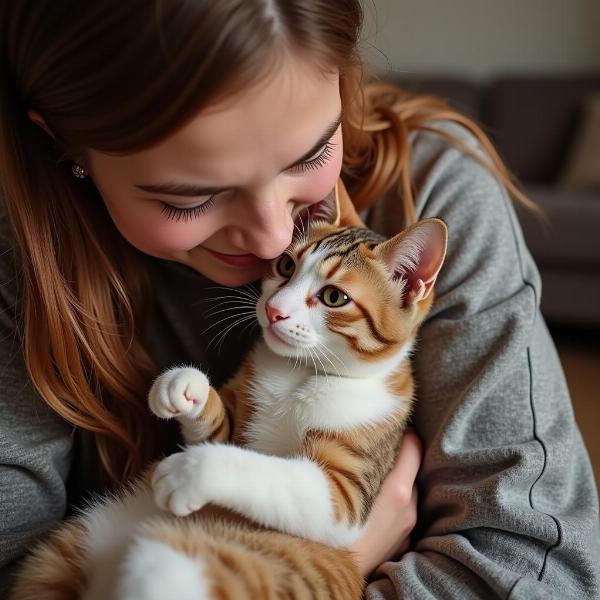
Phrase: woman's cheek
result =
(151, 231)
(177, 236)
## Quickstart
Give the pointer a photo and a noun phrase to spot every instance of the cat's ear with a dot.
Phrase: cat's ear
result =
(327, 210)
(415, 256)
(348, 215)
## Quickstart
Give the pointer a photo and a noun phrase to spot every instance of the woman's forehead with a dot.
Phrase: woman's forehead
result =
(277, 121)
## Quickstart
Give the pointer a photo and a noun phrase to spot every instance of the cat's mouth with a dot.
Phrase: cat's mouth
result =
(280, 337)
(283, 338)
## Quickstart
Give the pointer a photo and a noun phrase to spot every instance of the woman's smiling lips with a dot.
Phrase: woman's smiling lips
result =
(237, 260)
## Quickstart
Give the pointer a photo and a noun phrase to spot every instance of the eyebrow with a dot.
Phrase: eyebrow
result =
(185, 189)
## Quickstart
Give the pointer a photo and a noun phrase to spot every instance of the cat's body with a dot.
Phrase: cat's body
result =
(311, 440)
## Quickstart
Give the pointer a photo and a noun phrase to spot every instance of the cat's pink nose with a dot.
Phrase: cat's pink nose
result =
(274, 314)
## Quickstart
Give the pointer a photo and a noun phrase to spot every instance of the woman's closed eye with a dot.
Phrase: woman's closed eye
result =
(185, 214)
(320, 159)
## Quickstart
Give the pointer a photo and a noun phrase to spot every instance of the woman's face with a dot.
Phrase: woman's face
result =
(221, 193)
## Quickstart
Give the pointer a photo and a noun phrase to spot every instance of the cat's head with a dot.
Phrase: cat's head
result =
(345, 299)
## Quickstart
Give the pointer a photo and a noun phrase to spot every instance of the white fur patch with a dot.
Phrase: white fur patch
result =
(155, 571)
(111, 525)
(290, 401)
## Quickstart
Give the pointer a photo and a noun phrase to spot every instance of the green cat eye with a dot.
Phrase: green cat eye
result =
(333, 297)
(286, 266)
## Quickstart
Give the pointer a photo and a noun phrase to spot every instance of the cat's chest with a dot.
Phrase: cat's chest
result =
(275, 426)
(288, 400)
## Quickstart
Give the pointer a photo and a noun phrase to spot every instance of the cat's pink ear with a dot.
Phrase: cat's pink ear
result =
(415, 256)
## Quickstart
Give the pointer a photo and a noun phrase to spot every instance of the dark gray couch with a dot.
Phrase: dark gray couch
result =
(533, 122)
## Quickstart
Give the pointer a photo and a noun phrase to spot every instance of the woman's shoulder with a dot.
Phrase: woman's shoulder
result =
(447, 158)
(449, 177)
(485, 241)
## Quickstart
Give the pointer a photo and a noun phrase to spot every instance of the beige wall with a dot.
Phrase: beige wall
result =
(483, 37)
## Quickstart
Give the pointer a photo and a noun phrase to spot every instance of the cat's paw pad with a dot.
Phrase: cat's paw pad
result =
(177, 484)
(179, 392)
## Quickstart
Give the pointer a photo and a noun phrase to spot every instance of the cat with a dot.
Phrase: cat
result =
(284, 462)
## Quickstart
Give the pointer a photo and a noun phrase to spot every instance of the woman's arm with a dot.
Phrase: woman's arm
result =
(508, 505)
(35, 445)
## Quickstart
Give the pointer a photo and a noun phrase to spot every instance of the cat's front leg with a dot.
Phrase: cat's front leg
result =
(292, 495)
(185, 394)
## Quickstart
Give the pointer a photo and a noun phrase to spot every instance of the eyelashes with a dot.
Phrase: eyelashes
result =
(318, 161)
(186, 214)
(177, 214)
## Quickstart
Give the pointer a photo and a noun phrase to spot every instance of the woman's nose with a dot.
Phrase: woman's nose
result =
(268, 226)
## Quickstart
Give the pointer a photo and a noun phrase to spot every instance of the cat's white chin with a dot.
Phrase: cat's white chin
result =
(280, 344)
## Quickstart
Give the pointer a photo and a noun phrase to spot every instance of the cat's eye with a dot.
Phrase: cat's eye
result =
(333, 297)
(286, 266)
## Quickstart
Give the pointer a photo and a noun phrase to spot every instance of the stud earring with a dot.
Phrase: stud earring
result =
(78, 171)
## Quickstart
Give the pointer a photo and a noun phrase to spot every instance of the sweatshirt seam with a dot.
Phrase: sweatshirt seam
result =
(535, 433)
(536, 436)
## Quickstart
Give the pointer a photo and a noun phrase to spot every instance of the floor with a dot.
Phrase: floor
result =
(580, 356)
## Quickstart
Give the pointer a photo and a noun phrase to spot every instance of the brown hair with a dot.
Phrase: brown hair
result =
(118, 77)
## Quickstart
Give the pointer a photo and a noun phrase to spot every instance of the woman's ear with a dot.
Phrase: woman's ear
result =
(39, 121)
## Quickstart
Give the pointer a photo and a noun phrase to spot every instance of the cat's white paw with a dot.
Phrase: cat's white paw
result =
(178, 483)
(179, 392)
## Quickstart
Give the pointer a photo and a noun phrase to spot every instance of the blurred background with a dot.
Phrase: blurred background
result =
(529, 72)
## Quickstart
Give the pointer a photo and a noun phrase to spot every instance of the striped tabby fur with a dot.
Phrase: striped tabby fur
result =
(284, 462)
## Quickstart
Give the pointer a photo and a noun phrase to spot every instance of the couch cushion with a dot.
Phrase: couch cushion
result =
(460, 93)
(533, 120)
(582, 170)
(570, 238)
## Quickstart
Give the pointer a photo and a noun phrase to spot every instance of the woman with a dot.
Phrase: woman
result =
(152, 149)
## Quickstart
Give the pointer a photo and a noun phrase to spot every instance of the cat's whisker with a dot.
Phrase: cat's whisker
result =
(221, 335)
(218, 302)
(225, 333)
(315, 366)
(247, 315)
(245, 288)
(236, 310)
(233, 311)
(250, 324)
(324, 355)
(299, 356)
(233, 296)
(296, 358)
(220, 299)
(245, 307)
(342, 363)
(304, 238)
(300, 236)
(322, 366)
(246, 292)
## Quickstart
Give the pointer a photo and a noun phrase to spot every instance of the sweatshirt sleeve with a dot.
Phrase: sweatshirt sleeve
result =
(35, 444)
(508, 505)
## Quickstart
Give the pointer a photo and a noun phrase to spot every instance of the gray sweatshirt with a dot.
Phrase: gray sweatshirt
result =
(508, 505)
